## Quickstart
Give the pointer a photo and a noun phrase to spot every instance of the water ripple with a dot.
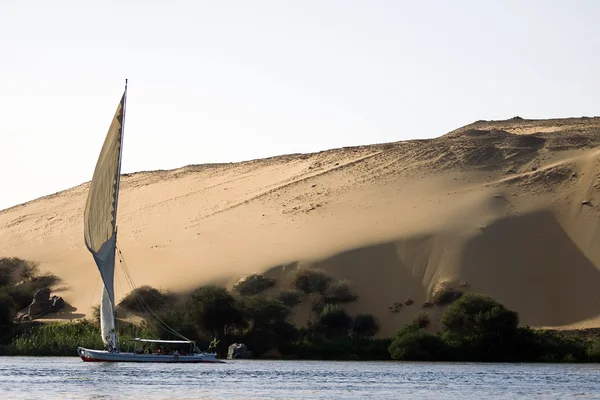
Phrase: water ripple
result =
(70, 378)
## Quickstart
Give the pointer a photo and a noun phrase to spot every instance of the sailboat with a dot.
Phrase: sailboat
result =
(100, 236)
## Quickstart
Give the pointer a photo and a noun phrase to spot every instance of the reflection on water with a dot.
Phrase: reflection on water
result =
(71, 378)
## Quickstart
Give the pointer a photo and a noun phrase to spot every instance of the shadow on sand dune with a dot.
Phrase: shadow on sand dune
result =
(67, 313)
(381, 274)
(527, 262)
(531, 265)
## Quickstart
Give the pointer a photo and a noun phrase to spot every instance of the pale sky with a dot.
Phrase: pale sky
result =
(221, 81)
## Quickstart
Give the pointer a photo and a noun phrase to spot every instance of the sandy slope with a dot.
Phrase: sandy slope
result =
(494, 205)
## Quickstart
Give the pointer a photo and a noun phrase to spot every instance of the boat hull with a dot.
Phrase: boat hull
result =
(89, 355)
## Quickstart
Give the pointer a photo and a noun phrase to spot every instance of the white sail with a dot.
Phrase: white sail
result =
(107, 321)
(100, 218)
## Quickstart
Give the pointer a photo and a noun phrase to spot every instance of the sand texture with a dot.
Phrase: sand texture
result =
(507, 208)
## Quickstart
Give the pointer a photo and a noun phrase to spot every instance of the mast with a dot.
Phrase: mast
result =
(112, 334)
(120, 156)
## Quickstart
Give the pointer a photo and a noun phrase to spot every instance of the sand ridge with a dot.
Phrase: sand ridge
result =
(508, 208)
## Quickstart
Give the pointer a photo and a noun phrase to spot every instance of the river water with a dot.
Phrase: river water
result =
(71, 378)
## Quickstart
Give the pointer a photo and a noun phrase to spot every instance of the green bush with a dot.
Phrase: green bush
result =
(9, 269)
(413, 343)
(364, 326)
(215, 311)
(263, 312)
(15, 271)
(56, 339)
(7, 307)
(311, 281)
(317, 302)
(339, 292)
(169, 319)
(290, 298)
(62, 339)
(324, 349)
(481, 326)
(22, 279)
(445, 294)
(333, 322)
(422, 320)
(144, 297)
(593, 351)
(253, 284)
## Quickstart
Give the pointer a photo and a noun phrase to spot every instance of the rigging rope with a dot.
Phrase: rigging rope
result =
(141, 301)
(94, 291)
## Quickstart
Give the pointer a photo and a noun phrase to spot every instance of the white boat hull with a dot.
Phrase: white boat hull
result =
(106, 356)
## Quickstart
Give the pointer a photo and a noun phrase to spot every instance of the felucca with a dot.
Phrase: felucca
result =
(100, 234)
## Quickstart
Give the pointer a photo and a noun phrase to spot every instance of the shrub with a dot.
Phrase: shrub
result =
(61, 339)
(317, 302)
(146, 297)
(445, 294)
(593, 351)
(16, 271)
(253, 284)
(21, 279)
(57, 338)
(333, 321)
(169, 320)
(364, 325)
(214, 311)
(479, 316)
(422, 320)
(339, 292)
(9, 268)
(7, 307)
(481, 327)
(311, 281)
(415, 344)
(290, 298)
(261, 311)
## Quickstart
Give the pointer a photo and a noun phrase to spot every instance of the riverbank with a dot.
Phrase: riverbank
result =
(61, 339)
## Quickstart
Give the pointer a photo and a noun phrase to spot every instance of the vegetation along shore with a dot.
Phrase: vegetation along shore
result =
(471, 327)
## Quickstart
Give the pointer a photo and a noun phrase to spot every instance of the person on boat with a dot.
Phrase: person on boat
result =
(158, 350)
(139, 350)
(149, 351)
(176, 353)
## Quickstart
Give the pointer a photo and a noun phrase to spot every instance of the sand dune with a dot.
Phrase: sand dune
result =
(507, 208)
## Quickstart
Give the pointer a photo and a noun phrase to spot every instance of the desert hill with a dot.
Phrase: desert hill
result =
(507, 208)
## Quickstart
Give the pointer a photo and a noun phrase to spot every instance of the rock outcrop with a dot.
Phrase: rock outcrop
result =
(238, 351)
(43, 304)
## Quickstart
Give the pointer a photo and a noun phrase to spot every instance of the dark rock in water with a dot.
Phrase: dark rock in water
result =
(43, 304)
(238, 351)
